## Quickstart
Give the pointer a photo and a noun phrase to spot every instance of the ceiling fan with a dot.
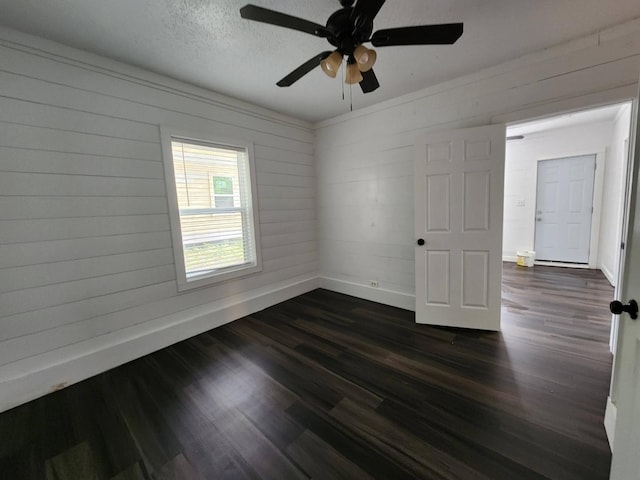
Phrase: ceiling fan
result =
(348, 29)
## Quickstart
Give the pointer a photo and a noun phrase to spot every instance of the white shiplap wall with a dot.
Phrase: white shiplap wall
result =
(364, 160)
(87, 279)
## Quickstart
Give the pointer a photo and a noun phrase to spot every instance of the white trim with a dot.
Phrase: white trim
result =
(626, 186)
(593, 100)
(582, 266)
(610, 415)
(598, 190)
(613, 337)
(610, 276)
(598, 185)
(166, 134)
(509, 258)
(33, 377)
(379, 295)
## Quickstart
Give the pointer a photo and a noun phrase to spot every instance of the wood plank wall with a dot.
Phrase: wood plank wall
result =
(364, 160)
(85, 246)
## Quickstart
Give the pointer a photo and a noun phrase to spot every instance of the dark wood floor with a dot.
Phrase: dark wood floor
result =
(329, 386)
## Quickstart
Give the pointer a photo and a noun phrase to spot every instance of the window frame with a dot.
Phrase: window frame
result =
(167, 135)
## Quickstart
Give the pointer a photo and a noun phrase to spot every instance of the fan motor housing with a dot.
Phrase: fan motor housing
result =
(341, 30)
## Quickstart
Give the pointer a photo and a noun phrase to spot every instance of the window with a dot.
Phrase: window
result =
(212, 208)
(223, 191)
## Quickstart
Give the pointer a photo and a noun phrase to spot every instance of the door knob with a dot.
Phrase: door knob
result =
(420, 241)
(631, 308)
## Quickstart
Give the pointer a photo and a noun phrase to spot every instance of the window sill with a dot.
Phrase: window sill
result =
(216, 278)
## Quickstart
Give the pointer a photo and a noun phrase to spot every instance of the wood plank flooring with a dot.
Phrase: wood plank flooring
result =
(327, 386)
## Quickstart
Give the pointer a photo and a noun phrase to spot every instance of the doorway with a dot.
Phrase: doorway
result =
(601, 132)
(604, 131)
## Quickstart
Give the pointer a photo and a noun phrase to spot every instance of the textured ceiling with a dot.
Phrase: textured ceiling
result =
(205, 42)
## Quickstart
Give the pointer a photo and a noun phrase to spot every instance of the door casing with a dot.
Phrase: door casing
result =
(598, 187)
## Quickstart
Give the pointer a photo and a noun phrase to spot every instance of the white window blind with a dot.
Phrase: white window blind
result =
(213, 191)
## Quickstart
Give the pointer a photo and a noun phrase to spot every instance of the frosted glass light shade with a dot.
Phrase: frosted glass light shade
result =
(331, 64)
(353, 74)
(365, 58)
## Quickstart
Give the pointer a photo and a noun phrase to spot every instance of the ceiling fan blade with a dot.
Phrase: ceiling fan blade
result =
(369, 81)
(366, 9)
(444, 34)
(362, 17)
(264, 15)
(302, 70)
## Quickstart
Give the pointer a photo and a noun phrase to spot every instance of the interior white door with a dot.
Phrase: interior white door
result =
(564, 207)
(626, 461)
(459, 184)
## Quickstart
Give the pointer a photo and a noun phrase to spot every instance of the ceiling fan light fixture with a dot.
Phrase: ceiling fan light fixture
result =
(353, 75)
(365, 58)
(345, 30)
(331, 64)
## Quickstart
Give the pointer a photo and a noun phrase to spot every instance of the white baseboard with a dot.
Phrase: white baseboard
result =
(610, 414)
(380, 295)
(579, 266)
(510, 258)
(609, 275)
(34, 377)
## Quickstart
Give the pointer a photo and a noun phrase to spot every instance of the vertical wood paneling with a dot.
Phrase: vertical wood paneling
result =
(85, 247)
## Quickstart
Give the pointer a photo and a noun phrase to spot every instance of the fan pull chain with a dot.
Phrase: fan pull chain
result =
(350, 91)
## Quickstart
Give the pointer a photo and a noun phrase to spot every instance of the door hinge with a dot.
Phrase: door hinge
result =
(622, 246)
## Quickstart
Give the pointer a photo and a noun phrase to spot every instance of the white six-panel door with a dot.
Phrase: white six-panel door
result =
(459, 183)
(564, 207)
